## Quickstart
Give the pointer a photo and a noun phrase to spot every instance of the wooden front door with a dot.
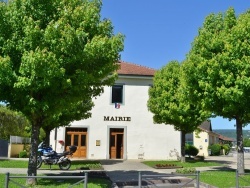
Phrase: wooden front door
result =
(116, 143)
(79, 139)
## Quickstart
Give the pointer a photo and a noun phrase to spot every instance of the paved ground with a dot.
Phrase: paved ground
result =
(125, 173)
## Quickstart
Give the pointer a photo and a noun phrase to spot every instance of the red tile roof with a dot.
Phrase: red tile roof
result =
(133, 69)
(226, 138)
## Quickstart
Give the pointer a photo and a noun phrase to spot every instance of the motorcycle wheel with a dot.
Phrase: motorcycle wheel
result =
(65, 165)
(39, 162)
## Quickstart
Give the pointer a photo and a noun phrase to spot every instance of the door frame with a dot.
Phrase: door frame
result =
(124, 157)
(87, 137)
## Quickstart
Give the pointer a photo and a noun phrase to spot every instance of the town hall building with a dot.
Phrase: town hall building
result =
(121, 126)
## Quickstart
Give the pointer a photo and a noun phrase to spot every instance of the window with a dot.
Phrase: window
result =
(189, 139)
(117, 94)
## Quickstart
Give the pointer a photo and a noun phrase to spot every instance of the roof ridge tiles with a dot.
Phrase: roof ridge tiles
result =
(128, 68)
(121, 61)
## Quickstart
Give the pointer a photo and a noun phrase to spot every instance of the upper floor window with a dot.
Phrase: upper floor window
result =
(117, 94)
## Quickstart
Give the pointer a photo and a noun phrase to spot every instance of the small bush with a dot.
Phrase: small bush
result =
(215, 149)
(188, 170)
(191, 150)
(226, 148)
(23, 154)
(27, 148)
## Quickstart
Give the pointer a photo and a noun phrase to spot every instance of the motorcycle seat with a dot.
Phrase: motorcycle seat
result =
(60, 154)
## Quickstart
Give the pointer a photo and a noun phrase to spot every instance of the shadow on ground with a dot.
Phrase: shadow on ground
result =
(149, 178)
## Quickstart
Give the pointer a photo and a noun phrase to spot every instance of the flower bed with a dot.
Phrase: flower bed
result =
(166, 166)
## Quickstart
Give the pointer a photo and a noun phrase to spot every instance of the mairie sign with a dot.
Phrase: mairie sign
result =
(116, 118)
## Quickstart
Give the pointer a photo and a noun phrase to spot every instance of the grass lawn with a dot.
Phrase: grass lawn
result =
(224, 179)
(62, 183)
(51, 183)
(220, 179)
(81, 164)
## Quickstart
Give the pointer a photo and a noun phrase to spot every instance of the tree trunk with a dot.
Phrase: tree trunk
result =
(183, 143)
(47, 136)
(240, 151)
(32, 171)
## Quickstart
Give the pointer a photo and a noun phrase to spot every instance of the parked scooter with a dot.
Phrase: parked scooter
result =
(53, 158)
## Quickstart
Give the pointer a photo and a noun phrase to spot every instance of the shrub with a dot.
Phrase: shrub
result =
(188, 170)
(215, 149)
(27, 148)
(191, 150)
(226, 148)
(23, 154)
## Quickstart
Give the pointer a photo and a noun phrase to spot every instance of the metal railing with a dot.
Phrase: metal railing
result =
(84, 179)
(242, 177)
(196, 178)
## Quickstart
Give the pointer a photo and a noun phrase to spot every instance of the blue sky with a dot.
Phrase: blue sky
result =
(157, 32)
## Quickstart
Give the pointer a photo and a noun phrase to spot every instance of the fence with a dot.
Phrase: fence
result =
(84, 179)
(153, 177)
(19, 140)
(240, 176)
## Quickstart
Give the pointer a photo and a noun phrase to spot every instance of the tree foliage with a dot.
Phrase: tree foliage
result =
(169, 102)
(54, 54)
(246, 142)
(77, 111)
(217, 69)
(12, 123)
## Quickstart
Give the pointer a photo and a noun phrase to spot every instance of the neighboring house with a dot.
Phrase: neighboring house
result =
(121, 126)
(226, 140)
(206, 137)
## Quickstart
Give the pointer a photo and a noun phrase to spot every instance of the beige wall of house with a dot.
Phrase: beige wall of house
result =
(204, 139)
(15, 149)
(201, 141)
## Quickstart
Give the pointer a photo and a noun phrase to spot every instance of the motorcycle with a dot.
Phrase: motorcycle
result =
(43, 148)
(53, 158)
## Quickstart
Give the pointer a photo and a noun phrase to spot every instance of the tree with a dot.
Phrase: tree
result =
(168, 101)
(75, 112)
(246, 142)
(12, 123)
(217, 70)
(54, 54)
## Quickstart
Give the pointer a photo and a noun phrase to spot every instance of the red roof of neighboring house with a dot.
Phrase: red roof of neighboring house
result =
(134, 69)
(221, 137)
(206, 126)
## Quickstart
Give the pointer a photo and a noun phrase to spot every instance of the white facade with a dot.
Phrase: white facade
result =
(140, 137)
